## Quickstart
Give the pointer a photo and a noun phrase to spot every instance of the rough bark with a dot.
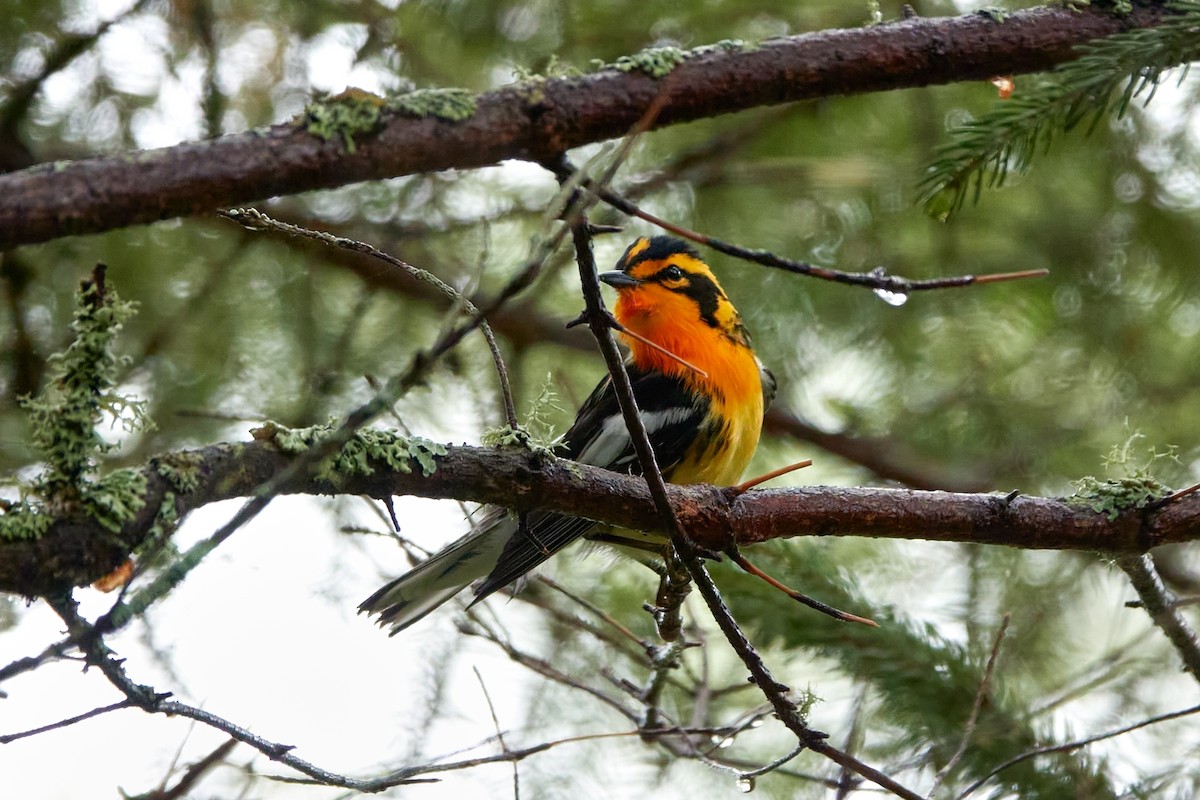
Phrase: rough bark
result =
(77, 551)
(539, 120)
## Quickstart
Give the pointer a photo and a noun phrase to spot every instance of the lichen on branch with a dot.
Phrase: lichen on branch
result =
(65, 418)
(366, 448)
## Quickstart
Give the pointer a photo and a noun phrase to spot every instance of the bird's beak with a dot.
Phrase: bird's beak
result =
(618, 279)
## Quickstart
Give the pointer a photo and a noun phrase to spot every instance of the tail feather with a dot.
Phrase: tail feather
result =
(407, 599)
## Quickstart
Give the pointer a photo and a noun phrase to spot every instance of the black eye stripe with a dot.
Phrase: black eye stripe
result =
(706, 294)
(670, 273)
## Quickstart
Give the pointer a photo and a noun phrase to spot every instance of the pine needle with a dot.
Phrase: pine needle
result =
(1103, 82)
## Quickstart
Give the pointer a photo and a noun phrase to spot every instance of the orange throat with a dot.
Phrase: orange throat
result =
(732, 382)
(729, 366)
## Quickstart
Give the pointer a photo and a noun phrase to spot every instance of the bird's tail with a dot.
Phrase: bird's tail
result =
(403, 601)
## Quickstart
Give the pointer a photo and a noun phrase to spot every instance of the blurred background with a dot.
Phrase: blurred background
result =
(1024, 386)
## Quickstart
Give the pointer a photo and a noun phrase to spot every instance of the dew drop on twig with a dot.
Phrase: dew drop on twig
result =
(891, 298)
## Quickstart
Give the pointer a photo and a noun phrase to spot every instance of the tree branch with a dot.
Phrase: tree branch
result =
(537, 121)
(76, 551)
(1160, 605)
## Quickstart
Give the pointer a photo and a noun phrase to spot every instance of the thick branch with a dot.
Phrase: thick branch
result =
(538, 120)
(78, 551)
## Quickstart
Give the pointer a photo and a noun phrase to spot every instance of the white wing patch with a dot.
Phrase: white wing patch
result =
(608, 448)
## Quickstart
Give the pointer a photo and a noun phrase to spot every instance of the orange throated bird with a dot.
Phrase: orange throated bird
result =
(703, 423)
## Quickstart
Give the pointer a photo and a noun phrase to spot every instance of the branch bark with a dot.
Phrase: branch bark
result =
(538, 120)
(78, 551)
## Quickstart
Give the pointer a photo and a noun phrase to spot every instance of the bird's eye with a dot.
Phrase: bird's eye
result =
(672, 273)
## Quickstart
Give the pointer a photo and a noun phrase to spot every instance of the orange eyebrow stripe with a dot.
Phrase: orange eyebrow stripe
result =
(638, 248)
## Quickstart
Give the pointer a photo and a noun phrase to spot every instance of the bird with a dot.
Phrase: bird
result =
(701, 392)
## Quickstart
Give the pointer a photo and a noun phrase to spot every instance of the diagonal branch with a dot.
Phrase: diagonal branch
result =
(1160, 605)
(776, 693)
(146, 698)
(48, 201)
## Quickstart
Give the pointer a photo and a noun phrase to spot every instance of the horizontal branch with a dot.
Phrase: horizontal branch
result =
(78, 551)
(538, 120)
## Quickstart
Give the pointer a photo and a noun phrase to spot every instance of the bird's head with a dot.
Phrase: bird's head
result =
(664, 289)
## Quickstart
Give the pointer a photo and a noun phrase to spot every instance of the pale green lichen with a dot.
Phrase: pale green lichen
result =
(181, 470)
(553, 69)
(994, 13)
(366, 448)
(727, 46)
(355, 113)
(452, 105)
(657, 62)
(536, 433)
(1134, 487)
(1111, 497)
(78, 395)
(805, 700)
(23, 522)
(344, 116)
(64, 419)
(1122, 8)
(116, 498)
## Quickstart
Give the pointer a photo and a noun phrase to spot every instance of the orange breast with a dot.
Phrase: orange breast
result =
(732, 378)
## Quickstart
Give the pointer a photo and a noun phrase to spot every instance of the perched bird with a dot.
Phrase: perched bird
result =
(703, 419)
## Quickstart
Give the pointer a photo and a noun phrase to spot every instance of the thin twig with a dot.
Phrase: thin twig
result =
(95, 712)
(973, 717)
(681, 745)
(29, 663)
(1172, 497)
(747, 485)
(546, 669)
(1075, 745)
(750, 775)
(1178, 602)
(408, 774)
(254, 220)
(617, 326)
(146, 698)
(194, 773)
(499, 733)
(663, 660)
(847, 781)
(877, 278)
(674, 585)
(843, 616)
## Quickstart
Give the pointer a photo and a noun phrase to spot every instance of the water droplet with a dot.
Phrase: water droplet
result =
(891, 298)
(745, 785)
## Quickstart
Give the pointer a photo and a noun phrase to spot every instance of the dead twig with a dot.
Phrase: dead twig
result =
(973, 717)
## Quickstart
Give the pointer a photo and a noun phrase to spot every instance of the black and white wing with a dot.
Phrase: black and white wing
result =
(673, 416)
